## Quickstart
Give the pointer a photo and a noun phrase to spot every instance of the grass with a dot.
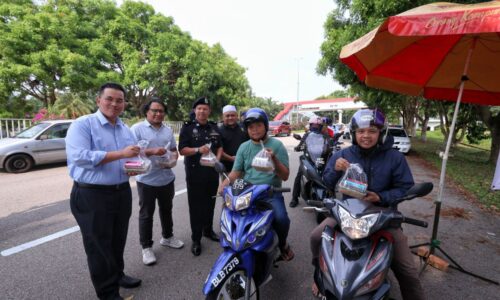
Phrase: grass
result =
(467, 166)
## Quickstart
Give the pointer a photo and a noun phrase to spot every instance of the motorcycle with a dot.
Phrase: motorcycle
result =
(312, 164)
(356, 255)
(250, 244)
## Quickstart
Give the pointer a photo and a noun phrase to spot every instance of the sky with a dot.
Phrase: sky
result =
(277, 41)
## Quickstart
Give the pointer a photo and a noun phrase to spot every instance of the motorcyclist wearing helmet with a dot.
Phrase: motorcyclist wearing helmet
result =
(389, 178)
(315, 128)
(256, 123)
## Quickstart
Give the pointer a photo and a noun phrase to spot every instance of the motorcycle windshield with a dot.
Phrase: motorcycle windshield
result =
(315, 144)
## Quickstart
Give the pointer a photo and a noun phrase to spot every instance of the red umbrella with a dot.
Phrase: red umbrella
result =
(442, 51)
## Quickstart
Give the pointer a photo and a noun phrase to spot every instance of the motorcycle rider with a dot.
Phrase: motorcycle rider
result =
(389, 178)
(315, 126)
(256, 124)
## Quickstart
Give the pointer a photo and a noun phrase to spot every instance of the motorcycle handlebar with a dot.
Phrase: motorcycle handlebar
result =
(280, 190)
(415, 222)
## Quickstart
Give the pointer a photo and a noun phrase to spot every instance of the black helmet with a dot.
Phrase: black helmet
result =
(254, 115)
(365, 118)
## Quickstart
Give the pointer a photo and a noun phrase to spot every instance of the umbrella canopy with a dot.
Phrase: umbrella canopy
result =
(423, 52)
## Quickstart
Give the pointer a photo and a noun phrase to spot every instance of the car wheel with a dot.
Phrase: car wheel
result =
(18, 163)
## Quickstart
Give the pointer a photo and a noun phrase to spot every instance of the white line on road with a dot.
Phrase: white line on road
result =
(51, 237)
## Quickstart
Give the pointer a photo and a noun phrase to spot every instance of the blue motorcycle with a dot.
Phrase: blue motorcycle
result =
(250, 244)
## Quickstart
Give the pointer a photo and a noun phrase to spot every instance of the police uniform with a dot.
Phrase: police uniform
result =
(202, 182)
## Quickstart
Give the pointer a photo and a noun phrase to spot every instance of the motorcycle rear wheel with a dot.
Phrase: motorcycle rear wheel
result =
(233, 288)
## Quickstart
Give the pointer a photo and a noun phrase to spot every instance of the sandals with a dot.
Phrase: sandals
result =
(287, 253)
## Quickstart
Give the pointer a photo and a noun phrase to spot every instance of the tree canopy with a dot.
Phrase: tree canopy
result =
(65, 49)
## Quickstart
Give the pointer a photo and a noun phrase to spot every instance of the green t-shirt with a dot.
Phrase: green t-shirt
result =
(246, 153)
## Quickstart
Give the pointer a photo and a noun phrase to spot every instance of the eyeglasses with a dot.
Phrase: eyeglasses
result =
(157, 111)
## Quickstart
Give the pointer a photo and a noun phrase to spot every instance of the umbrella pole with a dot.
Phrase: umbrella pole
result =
(434, 243)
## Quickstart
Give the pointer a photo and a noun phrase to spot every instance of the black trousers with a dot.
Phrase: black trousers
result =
(148, 195)
(296, 185)
(201, 206)
(103, 217)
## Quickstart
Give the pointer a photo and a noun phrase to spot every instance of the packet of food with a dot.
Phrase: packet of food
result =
(354, 182)
(262, 161)
(141, 164)
(208, 159)
(169, 159)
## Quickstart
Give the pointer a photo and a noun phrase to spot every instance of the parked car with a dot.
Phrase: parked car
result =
(402, 141)
(279, 128)
(42, 143)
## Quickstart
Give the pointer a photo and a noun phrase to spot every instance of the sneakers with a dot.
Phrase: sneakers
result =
(148, 256)
(172, 242)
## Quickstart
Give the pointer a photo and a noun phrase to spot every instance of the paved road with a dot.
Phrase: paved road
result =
(35, 205)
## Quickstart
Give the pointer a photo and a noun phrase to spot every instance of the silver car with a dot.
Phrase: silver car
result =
(42, 143)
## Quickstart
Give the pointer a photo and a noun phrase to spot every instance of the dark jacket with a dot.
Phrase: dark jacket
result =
(387, 171)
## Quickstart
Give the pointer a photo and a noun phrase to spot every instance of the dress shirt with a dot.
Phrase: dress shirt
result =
(88, 140)
(157, 137)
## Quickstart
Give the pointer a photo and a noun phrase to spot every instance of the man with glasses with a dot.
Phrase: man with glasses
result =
(97, 146)
(158, 184)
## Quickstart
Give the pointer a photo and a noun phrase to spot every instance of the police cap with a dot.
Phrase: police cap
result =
(202, 100)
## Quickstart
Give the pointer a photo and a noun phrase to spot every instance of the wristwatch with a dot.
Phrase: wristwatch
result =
(197, 149)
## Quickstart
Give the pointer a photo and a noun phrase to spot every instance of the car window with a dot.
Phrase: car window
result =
(57, 131)
(396, 132)
(32, 131)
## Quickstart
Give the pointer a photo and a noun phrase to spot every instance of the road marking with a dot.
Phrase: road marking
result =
(53, 236)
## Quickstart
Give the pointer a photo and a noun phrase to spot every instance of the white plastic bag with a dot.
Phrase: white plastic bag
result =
(354, 182)
(262, 161)
(169, 159)
(208, 159)
(140, 165)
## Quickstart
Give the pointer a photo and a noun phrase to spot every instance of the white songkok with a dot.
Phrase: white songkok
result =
(228, 108)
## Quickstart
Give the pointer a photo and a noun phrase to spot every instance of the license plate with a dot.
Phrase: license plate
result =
(225, 271)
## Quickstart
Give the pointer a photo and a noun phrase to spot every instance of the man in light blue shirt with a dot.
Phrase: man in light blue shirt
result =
(97, 146)
(158, 184)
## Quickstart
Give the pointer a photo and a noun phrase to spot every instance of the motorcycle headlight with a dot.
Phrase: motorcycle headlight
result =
(356, 228)
(243, 201)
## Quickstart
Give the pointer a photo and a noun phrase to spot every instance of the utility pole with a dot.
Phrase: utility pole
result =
(298, 89)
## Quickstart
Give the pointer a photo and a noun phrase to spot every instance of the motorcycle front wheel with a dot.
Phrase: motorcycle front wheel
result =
(234, 287)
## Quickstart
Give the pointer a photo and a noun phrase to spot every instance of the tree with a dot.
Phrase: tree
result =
(491, 118)
(74, 105)
(349, 21)
(51, 47)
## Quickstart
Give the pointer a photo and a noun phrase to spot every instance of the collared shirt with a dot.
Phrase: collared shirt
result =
(88, 140)
(246, 153)
(194, 134)
(157, 137)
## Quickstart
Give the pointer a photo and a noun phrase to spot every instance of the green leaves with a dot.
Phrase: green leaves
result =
(66, 49)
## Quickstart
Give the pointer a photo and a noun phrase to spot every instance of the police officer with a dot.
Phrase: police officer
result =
(232, 135)
(202, 181)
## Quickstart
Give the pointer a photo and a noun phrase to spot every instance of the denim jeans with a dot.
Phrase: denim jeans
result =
(281, 221)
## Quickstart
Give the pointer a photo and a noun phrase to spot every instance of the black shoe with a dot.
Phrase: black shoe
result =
(211, 235)
(129, 282)
(294, 203)
(196, 248)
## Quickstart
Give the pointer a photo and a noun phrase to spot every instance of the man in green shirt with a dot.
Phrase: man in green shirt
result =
(256, 123)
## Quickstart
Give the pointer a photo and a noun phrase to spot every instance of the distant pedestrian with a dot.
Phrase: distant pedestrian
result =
(158, 184)
(101, 200)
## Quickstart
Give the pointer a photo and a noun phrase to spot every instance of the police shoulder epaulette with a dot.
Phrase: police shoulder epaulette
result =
(189, 122)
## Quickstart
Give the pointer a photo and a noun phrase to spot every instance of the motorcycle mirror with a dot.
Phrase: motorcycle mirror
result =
(219, 167)
(297, 136)
(418, 190)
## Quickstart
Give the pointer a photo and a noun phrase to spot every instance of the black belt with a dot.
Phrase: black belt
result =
(113, 187)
